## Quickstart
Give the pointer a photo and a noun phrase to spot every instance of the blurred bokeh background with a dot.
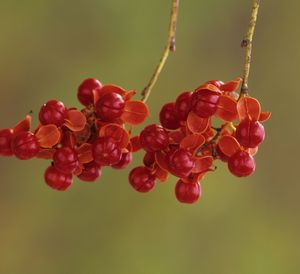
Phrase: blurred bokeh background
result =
(240, 226)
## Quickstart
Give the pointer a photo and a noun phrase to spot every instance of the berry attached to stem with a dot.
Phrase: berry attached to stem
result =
(180, 162)
(250, 133)
(53, 112)
(91, 172)
(154, 138)
(168, 117)
(65, 160)
(85, 91)
(125, 161)
(187, 193)
(106, 151)
(205, 103)
(241, 164)
(56, 179)
(110, 106)
(141, 179)
(25, 145)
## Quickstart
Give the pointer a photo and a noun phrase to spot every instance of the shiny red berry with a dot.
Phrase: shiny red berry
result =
(205, 102)
(106, 151)
(168, 117)
(110, 106)
(6, 136)
(250, 133)
(241, 164)
(183, 105)
(124, 162)
(85, 91)
(65, 160)
(216, 83)
(56, 179)
(141, 179)
(149, 159)
(154, 138)
(53, 112)
(90, 173)
(180, 162)
(187, 193)
(25, 145)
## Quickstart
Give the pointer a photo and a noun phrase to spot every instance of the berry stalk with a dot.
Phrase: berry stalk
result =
(170, 47)
(247, 43)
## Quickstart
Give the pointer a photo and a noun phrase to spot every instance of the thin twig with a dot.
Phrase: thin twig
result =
(170, 47)
(247, 43)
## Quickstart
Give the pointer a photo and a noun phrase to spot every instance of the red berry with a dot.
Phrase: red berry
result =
(91, 172)
(216, 83)
(183, 105)
(65, 160)
(85, 91)
(141, 179)
(106, 151)
(154, 138)
(53, 112)
(149, 159)
(180, 162)
(168, 116)
(241, 164)
(110, 106)
(56, 179)
(187, 193)
(250, 133)
(205, 102)
(6, 136)
(124, 162)
(25, 145)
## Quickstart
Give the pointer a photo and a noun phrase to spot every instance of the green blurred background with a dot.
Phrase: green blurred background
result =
(240, 226)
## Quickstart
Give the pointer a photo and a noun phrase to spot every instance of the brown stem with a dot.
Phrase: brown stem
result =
(170, 47)
(247, 43)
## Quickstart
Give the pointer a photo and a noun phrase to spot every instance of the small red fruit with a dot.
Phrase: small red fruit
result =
(250, 133)
(205, 102)
(168, 117)
(53, 112)
(56, 179)
(91, 172)
(25, 145)
(183, 105)
(65, 160)
(85, 91)
(241, 164)
(110, 106)
(216, 83)
(124, 162)
(6, 136)
(106, 151)
(180, 162)
(149, 159)
(187, 193)
(141, 179)
(154, 138)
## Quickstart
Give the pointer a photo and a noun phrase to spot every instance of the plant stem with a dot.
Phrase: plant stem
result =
(247, 43)
(170, 47)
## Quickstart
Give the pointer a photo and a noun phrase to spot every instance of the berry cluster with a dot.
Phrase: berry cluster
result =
(186, 143)
(79, 143)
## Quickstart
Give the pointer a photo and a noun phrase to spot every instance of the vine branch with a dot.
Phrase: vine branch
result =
(247, 43)
(170, 47)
